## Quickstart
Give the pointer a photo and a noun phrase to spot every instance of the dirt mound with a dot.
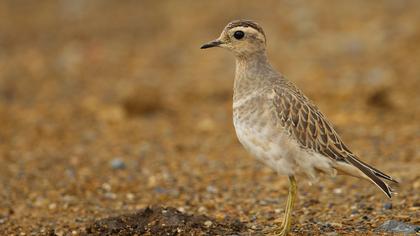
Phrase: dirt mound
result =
(164, 221)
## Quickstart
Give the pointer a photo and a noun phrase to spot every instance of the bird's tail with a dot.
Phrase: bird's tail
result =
(372, 174)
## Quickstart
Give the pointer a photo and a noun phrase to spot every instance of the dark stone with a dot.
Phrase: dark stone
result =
(394, 226)
(388, 206)
(117, 164)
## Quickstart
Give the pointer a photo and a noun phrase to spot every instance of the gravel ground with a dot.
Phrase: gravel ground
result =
(112, 121)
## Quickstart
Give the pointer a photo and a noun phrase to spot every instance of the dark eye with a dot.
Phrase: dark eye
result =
(238, 34)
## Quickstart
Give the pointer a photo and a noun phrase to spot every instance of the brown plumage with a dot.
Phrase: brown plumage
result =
(305, 123)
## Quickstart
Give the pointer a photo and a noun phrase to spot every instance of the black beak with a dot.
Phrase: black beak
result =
(211, 44)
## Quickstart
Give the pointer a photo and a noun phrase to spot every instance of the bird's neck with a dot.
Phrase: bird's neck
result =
(252, 64)
(251, 70)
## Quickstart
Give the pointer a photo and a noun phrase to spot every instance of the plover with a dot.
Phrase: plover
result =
(278, 124)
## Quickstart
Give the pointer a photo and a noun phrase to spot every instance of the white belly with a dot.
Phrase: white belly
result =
(276, 149)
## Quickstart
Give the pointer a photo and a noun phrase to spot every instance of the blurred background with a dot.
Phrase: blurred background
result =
(109, 106)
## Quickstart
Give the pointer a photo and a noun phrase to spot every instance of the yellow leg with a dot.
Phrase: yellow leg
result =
(287, 221)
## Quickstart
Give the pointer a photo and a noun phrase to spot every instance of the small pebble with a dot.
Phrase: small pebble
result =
(388, 206)
(106, 186)
(208, 223)
(130, 196)
(394, 226)
(202, 209)
(52, 206)
(262, 202)
(336, 225)
(331, 234)
(117, 164)
(109, 195)
(160, 190)
(212, 189)
(181, 209)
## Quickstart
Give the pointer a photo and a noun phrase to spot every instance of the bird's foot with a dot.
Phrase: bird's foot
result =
(283, 230)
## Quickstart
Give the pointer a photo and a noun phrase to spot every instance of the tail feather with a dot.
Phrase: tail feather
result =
(373, 175)
(376, 171)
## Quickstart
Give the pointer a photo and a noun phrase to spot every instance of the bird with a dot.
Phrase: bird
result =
(279, 125)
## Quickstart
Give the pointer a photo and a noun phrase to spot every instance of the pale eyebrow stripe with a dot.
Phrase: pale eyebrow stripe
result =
(245, 23)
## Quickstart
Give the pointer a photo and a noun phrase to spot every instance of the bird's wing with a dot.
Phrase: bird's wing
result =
(306, 124)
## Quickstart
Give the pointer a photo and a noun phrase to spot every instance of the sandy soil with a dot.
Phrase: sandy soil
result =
(108, 107)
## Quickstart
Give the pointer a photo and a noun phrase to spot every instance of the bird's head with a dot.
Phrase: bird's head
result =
(242, 37)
